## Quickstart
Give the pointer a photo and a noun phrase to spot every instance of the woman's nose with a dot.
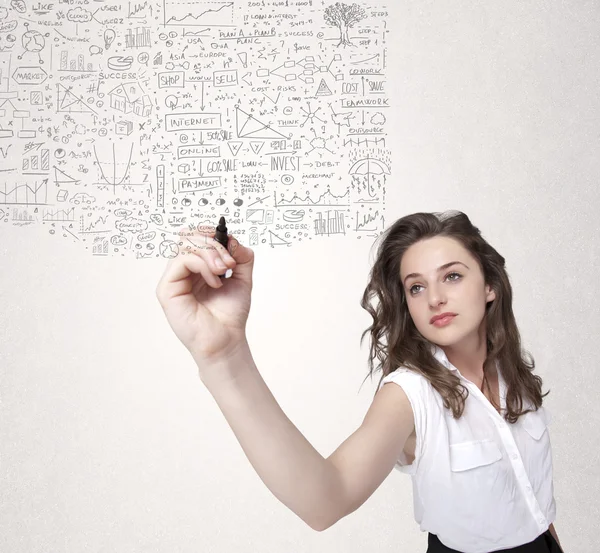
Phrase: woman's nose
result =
(436, 297)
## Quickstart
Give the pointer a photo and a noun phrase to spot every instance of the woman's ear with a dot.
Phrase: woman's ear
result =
(490, 294)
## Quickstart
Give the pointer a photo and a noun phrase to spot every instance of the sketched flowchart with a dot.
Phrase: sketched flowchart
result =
(127, 122)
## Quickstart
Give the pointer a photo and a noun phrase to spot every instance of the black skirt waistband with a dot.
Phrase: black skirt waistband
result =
(544, 543)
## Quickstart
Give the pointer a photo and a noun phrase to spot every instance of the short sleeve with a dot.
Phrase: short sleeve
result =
(414, 387)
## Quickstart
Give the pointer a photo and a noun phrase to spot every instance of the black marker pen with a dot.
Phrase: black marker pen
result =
(221, 235)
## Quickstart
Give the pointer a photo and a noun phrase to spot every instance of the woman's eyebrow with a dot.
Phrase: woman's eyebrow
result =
(443, 267)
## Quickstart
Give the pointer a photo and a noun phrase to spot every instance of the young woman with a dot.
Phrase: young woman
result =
(462, 413)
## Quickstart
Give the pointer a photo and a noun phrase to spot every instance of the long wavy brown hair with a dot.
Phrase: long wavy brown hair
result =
(395, 340)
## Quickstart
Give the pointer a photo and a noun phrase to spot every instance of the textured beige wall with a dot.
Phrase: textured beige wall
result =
(109, 442)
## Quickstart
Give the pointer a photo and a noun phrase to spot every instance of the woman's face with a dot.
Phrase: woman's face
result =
(458, 288)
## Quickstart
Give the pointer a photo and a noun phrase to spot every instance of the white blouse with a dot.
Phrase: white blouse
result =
(479, 483)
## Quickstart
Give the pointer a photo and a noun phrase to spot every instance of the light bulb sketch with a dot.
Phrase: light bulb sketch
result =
(109, 37)
(167, 130)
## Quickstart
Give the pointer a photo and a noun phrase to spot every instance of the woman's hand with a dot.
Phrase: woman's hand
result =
(208, 313)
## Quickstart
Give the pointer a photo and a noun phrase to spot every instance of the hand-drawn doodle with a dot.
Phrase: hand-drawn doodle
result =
(344, 17)
(109, 37)
(122, 123)
(188, 13)
(18, 5)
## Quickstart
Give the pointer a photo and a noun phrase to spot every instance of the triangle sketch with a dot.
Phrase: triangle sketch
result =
(256, 146)
(235, 146)
(250, 127)
(62, 177)
(276, 240)
(69, 103)
(323, 90)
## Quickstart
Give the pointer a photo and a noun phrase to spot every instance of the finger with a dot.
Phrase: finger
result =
(181, 267)
(238, 251)
(210, 250)
(208, 268)
(225, 252)
(203, 239)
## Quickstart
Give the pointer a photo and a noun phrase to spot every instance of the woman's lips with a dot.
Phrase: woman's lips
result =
(443, 321)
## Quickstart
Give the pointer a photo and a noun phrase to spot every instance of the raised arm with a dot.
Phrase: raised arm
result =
(367, 457)
(209, 315)
(320, 491)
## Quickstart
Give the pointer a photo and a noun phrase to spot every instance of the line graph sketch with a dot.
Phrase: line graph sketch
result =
(151, 113)
(190, 14)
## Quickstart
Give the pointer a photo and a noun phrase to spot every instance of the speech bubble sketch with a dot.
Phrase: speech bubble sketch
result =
(199, 109)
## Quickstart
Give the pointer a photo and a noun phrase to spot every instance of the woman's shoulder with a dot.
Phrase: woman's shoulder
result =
(404, 374)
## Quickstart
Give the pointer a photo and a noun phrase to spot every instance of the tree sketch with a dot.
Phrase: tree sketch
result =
(343, 16)
(111, 102)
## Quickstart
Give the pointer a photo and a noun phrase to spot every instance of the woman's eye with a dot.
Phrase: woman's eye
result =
(448, 275)
(413, 287)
